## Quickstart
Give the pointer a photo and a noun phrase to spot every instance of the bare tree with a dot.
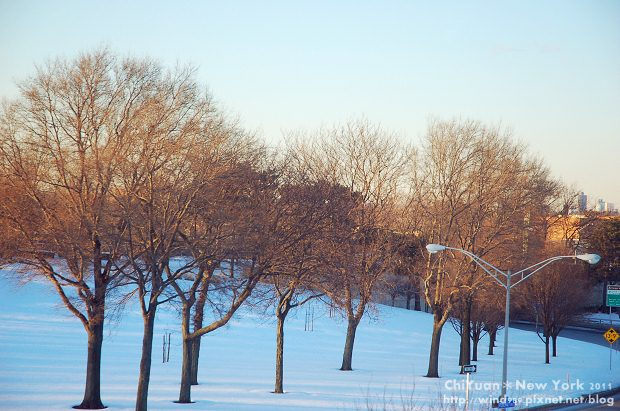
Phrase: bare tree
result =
(485, 313)
(160, 182)
(276, 220)
(311, 204)
(300, 272)
(554, 297)
(486, 316)
(474, 189)
(209, 229)
(62, 145)
(250, 216)
(408, 264)
(492, 306)
(368, 164)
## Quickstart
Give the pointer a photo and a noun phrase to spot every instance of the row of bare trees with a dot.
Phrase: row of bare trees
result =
(124, 172)
(122, 182)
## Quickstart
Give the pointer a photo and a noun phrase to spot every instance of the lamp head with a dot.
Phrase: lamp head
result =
(434, 248)
(589, 258)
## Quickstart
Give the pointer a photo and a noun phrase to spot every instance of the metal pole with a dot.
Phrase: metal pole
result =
(467, 393)
(506, 324)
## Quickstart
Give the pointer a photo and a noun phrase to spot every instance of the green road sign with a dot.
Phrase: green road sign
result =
(613, 296)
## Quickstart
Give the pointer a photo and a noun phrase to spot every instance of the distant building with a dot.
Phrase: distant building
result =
(582, 202)
(600, 205)
(609, 207)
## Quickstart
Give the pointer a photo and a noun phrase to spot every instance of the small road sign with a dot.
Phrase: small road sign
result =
(469, 368)
(611, 335)
(613, 295)
(506, 404)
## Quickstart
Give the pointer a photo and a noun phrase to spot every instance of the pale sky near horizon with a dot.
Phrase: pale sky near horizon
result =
(548, 70)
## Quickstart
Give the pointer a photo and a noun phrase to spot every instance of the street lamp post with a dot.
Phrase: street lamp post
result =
(508, 285)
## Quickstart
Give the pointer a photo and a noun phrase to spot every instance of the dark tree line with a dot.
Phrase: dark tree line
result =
(127, 183)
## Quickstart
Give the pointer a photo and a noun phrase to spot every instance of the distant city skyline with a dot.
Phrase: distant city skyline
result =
(549, 71)
(596, 204)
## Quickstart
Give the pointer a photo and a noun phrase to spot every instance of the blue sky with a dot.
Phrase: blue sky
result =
(548, 70)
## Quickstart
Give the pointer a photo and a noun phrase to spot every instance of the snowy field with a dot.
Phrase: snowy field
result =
(42, 362)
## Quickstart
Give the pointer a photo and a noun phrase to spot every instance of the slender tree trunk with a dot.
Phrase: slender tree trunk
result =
(461, 346)
(145, 360)
(416, 301)
(280, 355)
(198, 317)
(92, 390)
(547, 349)
(284, 305)
(465, 335)
(555, 345)
(433, 361)
(474, 356)
(185, 393)
(492, 335)
(347, 357)
(408, 301)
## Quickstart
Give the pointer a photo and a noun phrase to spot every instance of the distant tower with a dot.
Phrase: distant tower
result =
(600, 205)
(582, 202)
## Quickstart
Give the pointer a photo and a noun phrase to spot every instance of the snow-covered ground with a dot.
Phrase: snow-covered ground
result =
(42, 362)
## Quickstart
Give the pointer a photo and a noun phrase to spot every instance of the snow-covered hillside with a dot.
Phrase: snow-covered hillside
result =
(42, 361)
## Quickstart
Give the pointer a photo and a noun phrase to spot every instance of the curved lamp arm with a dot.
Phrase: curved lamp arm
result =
(487, 267)
(589, 258)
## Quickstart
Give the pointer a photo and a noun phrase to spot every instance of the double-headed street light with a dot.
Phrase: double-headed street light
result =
(496, 273)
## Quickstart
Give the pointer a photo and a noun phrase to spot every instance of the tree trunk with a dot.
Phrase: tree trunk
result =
(465, 357)
(492, 335)
(474, 356)
(461, 346)
(185, 393)
(347, 357)
(280, 355)
(555, 345)
(145, 360)
(416, 301)
(195, 346)
(92, 391)
(198, 317)
(547, 349)
(433, 361)
(408, 301)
